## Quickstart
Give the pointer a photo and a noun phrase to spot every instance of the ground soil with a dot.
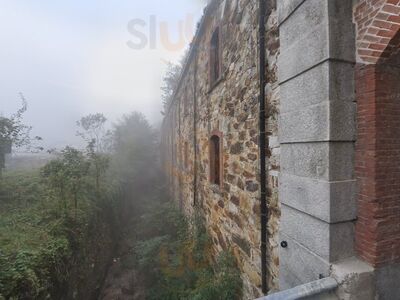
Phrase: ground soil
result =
(122, 281)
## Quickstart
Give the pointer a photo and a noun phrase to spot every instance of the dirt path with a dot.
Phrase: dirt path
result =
(123, 281)
(121, 284)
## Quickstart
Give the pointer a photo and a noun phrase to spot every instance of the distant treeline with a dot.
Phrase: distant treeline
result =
(27, 161)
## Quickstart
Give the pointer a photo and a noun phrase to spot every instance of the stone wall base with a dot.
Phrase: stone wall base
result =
(360, 281)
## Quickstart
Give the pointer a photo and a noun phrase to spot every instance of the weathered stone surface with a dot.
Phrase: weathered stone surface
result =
(286, 7)
(235, 200)
(251, 186)
(299, 265)
(230, 108)
(355, 278)
(304, 39)
(341, 30)
(237, 148)
(324, 161)
(331, 202)
(221, 204)
(331, 242)
(313, 97)
(318, 105)
(327, 121)
(242, 243)
(330, 81)
(316, 31)
(317, 133)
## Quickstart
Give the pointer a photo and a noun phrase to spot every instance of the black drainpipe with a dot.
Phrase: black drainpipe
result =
(262, 146)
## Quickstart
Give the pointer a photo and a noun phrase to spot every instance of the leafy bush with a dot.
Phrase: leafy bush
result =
(174, 257)
(223, 283)
(30, 274)
(48, 223)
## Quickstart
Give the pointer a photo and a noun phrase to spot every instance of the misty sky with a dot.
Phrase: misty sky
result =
(72, 58)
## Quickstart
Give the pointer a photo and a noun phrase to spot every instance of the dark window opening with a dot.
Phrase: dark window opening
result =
(186, 104)
(186, 159)
(215, 62)
(215, 160)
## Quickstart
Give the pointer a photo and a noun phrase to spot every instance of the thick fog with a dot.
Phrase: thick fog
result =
(72, 58)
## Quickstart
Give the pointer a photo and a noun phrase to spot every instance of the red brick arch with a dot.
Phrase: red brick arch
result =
(378, 131)
(377, 23)
(391, 54)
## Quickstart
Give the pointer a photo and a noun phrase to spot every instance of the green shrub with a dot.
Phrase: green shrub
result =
(48, 221)
(223, 283)
(174, 258)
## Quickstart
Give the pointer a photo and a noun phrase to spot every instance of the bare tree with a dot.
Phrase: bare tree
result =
(93, 131)
(14, 133)
(171, 81)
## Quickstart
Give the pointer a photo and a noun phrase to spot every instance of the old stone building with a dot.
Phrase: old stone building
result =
(295, 102)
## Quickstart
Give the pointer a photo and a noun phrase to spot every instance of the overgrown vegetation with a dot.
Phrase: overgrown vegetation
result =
(171, 81)
(175, 257)
(57, 227)
(61, 226)
(48, 222)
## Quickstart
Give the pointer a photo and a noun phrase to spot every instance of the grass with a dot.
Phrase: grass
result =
(22, 213)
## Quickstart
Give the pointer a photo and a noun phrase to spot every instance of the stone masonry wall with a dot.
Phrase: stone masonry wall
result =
(336, 153)
(231, 210)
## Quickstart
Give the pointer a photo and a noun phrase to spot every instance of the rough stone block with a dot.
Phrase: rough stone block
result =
(307, 37)
(298, 265)
(304, 39)
(307, 18)
(341, 30)
(327, 121)
(286, 7)
(331, 242)
(330, 81)
(355, 278)
(331, 202)
(330, 161)
(292, 62)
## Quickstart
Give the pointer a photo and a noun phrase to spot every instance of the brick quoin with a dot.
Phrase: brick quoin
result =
(378, 140)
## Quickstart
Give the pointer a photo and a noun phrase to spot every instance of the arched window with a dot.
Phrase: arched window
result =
(215, 60)
(215, 160)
